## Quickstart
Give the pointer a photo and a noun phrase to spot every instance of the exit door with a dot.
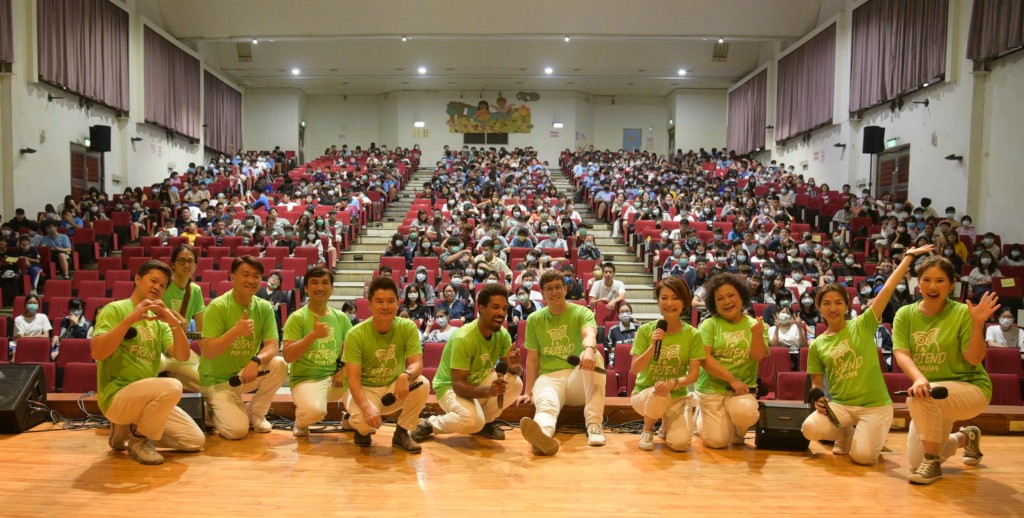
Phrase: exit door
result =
(893, 173)
(631, 139)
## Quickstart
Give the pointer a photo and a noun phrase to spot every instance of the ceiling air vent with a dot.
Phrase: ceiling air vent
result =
(721, 52)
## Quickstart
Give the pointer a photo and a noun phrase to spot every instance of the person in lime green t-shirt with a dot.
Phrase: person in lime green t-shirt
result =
(553, 334)
(384, 357)
(240, 354)
(183, 264)
(130, 336)
(941, 343)
(846, 356)
(468, 386)
(735, 343)
(313, 340)
(660, 391)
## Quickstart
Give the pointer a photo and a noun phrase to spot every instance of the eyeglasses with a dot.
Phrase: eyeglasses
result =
(185, 262)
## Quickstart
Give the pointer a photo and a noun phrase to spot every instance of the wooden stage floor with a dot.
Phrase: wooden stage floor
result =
(74, 473)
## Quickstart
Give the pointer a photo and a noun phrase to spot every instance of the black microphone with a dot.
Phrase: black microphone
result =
(501, 368)
(937, 393)
(575, 361)
(657, 343)
(819, 395)
(235, 381)
(389, 398)
(130, 333)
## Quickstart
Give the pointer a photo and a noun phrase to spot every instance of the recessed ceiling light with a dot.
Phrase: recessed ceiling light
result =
(405, 38)
(549, 70)
(721, 40)
(255, 41)
(422, 70)
(296, 71)
(567, 39)
(682, 71)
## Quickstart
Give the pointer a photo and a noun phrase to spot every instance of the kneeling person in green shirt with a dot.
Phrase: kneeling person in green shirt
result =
(129, 339)
(313, 339)
(468, 388)
(240, 339)
(383, 355)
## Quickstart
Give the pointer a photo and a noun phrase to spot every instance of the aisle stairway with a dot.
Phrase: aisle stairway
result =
(356, 266)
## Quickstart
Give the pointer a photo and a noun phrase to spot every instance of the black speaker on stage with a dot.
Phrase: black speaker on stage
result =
(778, 428)
(99, 138)
(20, 383)
(874, 140)
(192, 404)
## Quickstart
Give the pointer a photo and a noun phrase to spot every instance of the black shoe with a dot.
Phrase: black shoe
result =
(402, 440)
(492, 431)
(363, 440)
(422, 431)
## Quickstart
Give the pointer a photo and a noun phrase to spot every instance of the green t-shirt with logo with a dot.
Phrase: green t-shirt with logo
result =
(937, 344)
(320, 360)
(468, 350)
(677, 349)
(730, 347)
(557, 337)
(382, 356)
(174, 296)
(849, 361)
(134, 359)
(221, 315)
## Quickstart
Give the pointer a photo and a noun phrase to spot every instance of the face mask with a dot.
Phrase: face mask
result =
(421, 277)
(807, 302)
(528, 284)
(456, 248)
(625, 317)
(721, 260)
(829, 279)
(965, 222)
(319, 222)
(32, 307)
(471, 272)
(543, 228)
(797, 276)
(457, 282)
(1006, 322)
(413, 235)
(947, 252)
(94, 209)
(398, 242)
(76, 312)
(986, 261)
(490, 281)
(865, 291)
(414, 295)
(785, 318)
(523, 298)
(782, 257)
(988, 241)
(310, 237)
(849, 261)
(768, 272)
(441, 322)
(901, 288)
(741, 258)
(677, 252)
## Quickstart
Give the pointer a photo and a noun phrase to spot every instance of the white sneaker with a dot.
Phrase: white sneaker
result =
(646, 441)
(595, 435)
(142, 450)
(260, 424)
(300, 431)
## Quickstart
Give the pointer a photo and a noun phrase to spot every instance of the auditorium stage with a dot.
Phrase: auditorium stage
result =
(74, 473)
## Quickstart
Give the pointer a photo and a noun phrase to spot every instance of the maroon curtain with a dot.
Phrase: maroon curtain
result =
(898, 45)
(83, 47)
(172, 86)
(747, 115)
(806, 85)
(222, 115)
(6, 38)
(996, 27)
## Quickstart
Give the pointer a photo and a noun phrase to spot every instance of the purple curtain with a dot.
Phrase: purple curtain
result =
(83, 47)
(223, 115)
(996, 27)
(898, 45)
(806, 86)
(172, 86)
(6, 38)
(747, 115)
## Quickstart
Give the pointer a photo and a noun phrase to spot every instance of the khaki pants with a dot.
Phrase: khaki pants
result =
(151, 405)
(187, 372)
(410, 407)
(872, 427)
(468, 416)
(569, 387)
(311, 399)
(674, 414)
(932, 419)
(224, 402)
(724, 416)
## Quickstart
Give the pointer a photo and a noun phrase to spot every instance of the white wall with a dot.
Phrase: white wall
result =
(338, 120)
(271, 117)
(583, 133)
(387, 124)
(649, 114)
(698, 118)
(1002, 183)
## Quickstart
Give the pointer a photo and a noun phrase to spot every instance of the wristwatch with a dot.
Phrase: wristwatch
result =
(259, 363)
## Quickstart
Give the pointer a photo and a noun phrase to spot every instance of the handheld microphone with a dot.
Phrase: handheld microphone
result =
(501, 368)
(819, 395)
(936, 392)
(389, 398)
(657, 343)
(130, 333)
(575, 361)
(235, 381)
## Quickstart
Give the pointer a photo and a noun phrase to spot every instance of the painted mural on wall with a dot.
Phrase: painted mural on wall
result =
(485, 117)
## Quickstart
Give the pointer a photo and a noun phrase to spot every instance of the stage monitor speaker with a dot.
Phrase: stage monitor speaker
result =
(874, 140)
(99, 138)
(192, 404)
(20, 383)
(778, 428)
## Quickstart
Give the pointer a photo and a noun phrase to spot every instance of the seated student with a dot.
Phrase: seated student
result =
(313, 340)
(31, 323)
(275, 295)
(457, 308)
(845, 356)
(788, 332)
(624, 332)
(553, 334)
(1006, 334)
(735, 343)
(74, 325)
(981, 276)
(661, 383)
(413, 302)
(607, 290)
(131, 335)
(468, 388)
(240, 339)
(376, 352)
(940, 342)
(444, 330)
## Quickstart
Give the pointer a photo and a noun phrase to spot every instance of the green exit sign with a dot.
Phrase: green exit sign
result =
(893, 142)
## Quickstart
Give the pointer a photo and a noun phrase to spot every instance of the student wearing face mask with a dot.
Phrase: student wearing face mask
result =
(789, 332)
(31, 323)
(440, 328)
(981, 276)
(524, 306)
(901, 297)
(950, 253)
(397, 248)
(491, 261)
(413, 302)
(966, 229)
(1006, 333)
(622, 333)
(988, 244)
(311, 240)
(420, 280)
